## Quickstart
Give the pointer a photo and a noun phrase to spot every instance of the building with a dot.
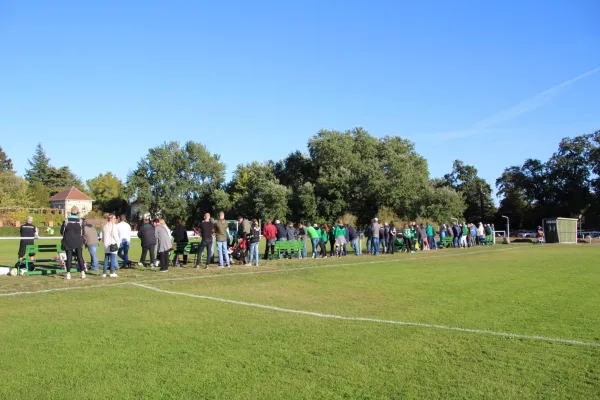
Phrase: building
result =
(71, 197)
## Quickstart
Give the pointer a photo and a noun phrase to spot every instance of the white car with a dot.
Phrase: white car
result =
(527, 234)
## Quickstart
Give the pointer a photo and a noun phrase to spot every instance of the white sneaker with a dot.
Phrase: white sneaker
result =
(82, 275)
(114, 275)
(156, 263)
(68, 277)
(104, 275)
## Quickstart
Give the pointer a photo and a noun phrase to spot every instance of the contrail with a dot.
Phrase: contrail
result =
(523, 107)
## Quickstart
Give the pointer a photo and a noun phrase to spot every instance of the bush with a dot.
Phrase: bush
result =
(40, 219)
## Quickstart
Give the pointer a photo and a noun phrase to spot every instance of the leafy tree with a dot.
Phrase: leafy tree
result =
(256, 192)
(39, 195)
(5, 162)
(13, 191)
(108, 192)
(175, 180)
(61, 178)
(40, 167)
(442, 203)
(476, 191)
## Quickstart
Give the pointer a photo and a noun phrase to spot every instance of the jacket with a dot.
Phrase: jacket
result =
(339, 231)
(124, 232)
(147, 235)
(255, 234)
(72, 235)
(163, 239)
(375, 227)
(244, 228)
(351, 232)
(324, 235)
(110, 235)
(312, 232)
(90, 236)
(290, 233)
(281, 231)
(302, 234)
(270, 232)
(221, 230)
(180, 234)
(430, 230)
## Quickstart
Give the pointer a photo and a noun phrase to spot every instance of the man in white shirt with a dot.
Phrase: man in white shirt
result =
(125, 234)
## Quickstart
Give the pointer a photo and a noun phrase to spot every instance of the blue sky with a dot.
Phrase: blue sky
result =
(490, 83)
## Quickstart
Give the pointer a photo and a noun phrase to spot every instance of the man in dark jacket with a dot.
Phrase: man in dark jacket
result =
(73, 241)
(352, 238)
(207, 228)
(147, 235)
(281, 231)
(456, 233)
(181, 239)
(243, 227)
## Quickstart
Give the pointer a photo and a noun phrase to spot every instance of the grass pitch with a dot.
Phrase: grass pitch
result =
(275, 331)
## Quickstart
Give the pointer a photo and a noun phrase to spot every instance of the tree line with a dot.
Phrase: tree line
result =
(349, 173)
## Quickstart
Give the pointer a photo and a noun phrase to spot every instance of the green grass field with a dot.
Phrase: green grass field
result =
(277, 331)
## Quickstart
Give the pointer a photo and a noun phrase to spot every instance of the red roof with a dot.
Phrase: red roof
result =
(71, 193)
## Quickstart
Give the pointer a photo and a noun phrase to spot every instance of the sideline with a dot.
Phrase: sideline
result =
(381, 321)
(273, 271)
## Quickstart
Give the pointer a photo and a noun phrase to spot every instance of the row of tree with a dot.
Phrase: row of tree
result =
(342, 173)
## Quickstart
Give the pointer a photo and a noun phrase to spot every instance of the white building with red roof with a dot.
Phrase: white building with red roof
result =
(72, 197)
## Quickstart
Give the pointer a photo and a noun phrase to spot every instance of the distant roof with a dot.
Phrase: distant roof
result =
(71, 193)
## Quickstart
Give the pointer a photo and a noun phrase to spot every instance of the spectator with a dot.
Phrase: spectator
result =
(339, 233)
(147, 234)
(456, 232)
(270, 234)
(369, 235)
(313, 234)
(73, 241)
(221, 238)
(493, 233)
(254, 241)
(382, 242)
(430, 236)
(281, 231)
(463, 236)
(90, 239)
(125, 235)
(111, 241)
(243, 228)
(290, 232)
(206, 232)
(331, 240)
(28, 234)
(421, 236)
(376, 227)
(393, 232)
(408, 238)
(353, 238)
(163, 244)
(180, 237)
(473, 229)
(450, 232)
(324, 239)
(481, 234)
(443, 230)
(302, 237)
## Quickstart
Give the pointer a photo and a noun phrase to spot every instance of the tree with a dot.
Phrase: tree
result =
(39, 195)
(13, 191)
(256, 192)
(61, 178)
(108, 192)
(476, 191)
(40, 167)
(5, 162)
(442, 203)
(175, 180)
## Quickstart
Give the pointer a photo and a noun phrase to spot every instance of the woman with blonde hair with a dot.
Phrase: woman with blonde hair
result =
(111, 241)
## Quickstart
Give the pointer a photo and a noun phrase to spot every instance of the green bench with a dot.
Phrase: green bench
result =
(446, 242)
(43, 266)
(290, 247)
(188, 248)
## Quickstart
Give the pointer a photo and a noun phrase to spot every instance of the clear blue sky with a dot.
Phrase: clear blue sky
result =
(98, 84)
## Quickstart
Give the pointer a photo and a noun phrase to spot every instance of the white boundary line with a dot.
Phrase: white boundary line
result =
(381, 321)
(270, 271)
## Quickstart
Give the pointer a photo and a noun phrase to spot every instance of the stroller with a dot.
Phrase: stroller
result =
(239, 252)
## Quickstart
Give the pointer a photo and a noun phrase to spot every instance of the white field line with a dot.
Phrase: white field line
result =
(381, 321)
(259, 272)
(254, 272)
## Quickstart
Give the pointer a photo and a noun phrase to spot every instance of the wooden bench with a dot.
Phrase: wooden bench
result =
(43, 266)
(291, 247)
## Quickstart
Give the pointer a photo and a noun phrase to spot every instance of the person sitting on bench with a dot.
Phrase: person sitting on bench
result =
(28, 234)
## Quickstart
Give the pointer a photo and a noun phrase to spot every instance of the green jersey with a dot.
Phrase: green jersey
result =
(429, 230)
(339, 231)
(407, 233)
(312, 232)
(465, 230)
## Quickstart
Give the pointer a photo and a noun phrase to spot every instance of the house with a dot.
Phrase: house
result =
(71, 197)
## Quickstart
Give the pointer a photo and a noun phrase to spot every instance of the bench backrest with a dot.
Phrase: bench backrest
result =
(43, 248)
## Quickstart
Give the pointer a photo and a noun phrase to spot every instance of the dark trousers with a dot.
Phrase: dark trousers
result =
(323, 247)
(77, 252)
(270, 246)
(208, 245)
(331, 246)
(163, 258)
(145, 250)
(409, 243)
(392, 245)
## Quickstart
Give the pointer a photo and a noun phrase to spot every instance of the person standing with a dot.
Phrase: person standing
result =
(281, 231)
(474, 239)
(163, 244)
(392, 245)
(290, 232)
(206, 232)
(369, 235)
(431, 236)
(312, 233)
(376, 227)
(324, 238)
(302, 237)
(456, 232)
(28, 234)
(270, 234)
(73, 241)
(463, 236)
(481, 234)
(90, 239)
(221, 237)
(408, 241)
(254, 241)
(339, 234)
(243, 228)
(147, 235)
(125, 235)
(111, 241)
(353, 238)
(180, 237)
